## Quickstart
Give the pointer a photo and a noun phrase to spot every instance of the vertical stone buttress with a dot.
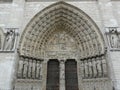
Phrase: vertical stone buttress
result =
(108, 20)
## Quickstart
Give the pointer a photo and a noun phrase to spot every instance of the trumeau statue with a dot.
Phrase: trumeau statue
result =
(9, 40)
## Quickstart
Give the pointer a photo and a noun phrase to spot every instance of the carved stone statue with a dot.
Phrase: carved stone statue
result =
(0, 43)
(99, 67)
(25, 68)
(86, 69)
(9, 40)
(82, 69)
(37, 70)
(94, 67)
(104, 64)
(30, 69)
(114, 39)
(90, 69)
(20, 66)
(33, 69)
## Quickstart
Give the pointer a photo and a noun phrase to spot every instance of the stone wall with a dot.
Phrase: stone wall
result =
(19, 13)
(7, 69)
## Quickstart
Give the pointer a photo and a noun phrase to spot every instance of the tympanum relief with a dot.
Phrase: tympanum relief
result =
(61, 45)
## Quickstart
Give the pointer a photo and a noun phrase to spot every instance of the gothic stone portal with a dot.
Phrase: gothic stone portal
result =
(62, 31)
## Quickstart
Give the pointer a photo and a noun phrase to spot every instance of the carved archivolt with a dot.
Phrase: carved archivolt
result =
(62, 17)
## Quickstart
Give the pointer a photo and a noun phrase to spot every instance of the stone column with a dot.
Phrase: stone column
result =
(62, 75)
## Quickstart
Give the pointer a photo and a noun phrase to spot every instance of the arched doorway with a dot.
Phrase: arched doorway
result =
(71, 76)
(53, 75)
(62, 31)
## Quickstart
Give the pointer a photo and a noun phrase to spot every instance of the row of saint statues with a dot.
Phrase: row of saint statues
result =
(29, 69)
(9, 40)
(94, 67)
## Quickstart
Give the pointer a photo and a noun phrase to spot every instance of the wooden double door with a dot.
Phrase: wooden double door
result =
(53, 75)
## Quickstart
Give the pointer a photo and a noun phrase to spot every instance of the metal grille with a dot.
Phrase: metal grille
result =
(53, 75)
(71, 75)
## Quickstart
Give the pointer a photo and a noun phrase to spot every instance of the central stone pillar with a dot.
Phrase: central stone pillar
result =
(62, 75)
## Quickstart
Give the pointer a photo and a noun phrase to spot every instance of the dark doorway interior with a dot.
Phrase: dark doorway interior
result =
(52, 75)
(71, 78)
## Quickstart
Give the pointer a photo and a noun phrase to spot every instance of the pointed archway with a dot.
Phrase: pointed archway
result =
(71, 34)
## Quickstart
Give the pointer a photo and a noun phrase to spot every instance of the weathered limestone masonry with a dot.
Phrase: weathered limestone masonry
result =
(81, 34)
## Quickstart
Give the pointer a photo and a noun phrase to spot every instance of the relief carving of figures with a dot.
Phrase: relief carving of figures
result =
(114, 40)
(9, 40)
(113, 37)
(94, 67)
